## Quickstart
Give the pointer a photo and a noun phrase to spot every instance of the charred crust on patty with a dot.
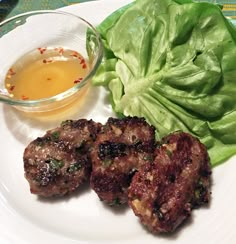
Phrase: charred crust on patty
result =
(59, 162)
(163, 193)
(161, 181)
(121, 147)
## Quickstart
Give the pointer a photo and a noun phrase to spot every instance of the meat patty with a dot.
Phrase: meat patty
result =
(59, 162)
(121, 147)
(163, 193)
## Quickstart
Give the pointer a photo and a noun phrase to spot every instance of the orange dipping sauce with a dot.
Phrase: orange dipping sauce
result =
(45, 72)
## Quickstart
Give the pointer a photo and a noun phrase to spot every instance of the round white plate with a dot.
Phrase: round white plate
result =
(82, 218)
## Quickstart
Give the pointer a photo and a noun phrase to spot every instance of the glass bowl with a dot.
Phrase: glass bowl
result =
(40, 31)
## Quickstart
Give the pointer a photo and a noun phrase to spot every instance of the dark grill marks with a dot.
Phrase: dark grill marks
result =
(121, 147)
(162, 181)
(59, 162)
(110, 150)
(162, 194)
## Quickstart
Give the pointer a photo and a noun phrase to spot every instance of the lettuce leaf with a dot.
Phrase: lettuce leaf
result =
(173, 62)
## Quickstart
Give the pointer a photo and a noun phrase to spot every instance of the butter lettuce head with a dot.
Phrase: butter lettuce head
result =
(174, 63)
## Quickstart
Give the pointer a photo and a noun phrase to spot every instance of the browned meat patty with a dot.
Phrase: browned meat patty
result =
(163, 193)
(121, 147)
(59, 162)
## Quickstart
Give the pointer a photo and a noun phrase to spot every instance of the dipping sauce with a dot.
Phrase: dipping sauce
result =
(45, 72)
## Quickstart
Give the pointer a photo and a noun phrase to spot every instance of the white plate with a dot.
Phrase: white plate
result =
(82, 218)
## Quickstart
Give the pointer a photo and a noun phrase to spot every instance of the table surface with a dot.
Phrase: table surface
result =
(12, 7)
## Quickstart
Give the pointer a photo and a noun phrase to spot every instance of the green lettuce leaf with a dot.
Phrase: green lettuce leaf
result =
(173, 62)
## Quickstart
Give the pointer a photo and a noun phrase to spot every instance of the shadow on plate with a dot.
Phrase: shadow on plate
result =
(116, 209)
(26, 127)
(83, 189)
(170, 236)
(188, 223)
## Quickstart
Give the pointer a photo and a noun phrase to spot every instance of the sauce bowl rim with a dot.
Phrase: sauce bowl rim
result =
(69, 92)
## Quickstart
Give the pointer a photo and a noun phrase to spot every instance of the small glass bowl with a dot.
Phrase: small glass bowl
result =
(28, 31)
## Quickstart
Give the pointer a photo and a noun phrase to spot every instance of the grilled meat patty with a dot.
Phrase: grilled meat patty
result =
(59, 162)
(121, 147)
(163, 192)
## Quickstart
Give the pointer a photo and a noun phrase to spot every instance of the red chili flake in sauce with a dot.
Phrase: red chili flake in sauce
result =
(11, 71)
(12, 88)
(45, 61)
(61, 50)
(23, 97)
(82, 61)
(84, 66)
(78, 80)
(75, 54)
(42, 49)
